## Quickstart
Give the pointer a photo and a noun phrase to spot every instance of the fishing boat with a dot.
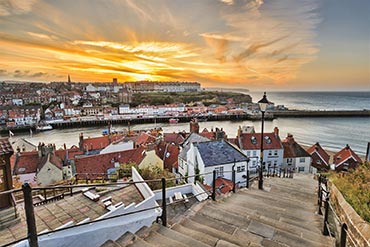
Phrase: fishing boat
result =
(173, 120)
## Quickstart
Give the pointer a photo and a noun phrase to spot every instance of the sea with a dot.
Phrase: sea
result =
(333, 133)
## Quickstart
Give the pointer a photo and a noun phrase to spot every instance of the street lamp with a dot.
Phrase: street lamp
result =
(263, 105)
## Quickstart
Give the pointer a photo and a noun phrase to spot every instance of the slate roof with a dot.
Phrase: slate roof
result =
(5, 147)
(345, 154)
(292, 149)
(320, 151)
(246, 142)
(219, 153)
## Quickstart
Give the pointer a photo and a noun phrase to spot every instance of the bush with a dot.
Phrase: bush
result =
(355, 187)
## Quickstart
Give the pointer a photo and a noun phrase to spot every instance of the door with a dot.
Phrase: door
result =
(4, 199)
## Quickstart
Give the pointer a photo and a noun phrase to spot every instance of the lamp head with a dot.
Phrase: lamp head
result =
(263, 103)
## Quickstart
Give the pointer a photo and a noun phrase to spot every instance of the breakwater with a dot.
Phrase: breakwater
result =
(316, 113)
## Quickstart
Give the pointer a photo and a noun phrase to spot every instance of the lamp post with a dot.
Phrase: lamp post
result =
(263, 105)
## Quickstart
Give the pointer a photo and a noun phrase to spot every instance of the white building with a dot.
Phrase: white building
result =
(295, 157)
(273, 151)
(221, 156)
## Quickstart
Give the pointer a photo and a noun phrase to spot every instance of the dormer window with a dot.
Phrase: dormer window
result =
(267, 140)
(254, 140)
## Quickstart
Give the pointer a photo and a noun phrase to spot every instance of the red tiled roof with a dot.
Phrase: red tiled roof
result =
(169, 153)
(247, 144)
(175, 138)
(96, 143)
(292, 149)
(224, 186)
(5, 146)
(145, 139)
(72, 152)
(26, 162)
(345, 154)
(101, 162)
(320, 151)
(209, 135)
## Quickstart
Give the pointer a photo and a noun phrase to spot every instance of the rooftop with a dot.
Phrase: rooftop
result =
(219, 152)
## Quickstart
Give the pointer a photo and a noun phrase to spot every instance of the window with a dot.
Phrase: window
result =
(318, 162)
(240, 168)
(300, 169)
(254, 153)
(254, 140)
(270, 152)
(275, 152)
(289, 160)
(302, 160)
(219, 171)
(248, 153)
(267, 140)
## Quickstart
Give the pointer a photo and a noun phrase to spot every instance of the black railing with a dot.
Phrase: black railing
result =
(28, 194)
(323, 193)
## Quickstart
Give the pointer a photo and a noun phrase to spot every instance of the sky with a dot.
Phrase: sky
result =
(252, 44)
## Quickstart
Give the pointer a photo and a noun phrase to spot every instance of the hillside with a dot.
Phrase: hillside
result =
(206, 97)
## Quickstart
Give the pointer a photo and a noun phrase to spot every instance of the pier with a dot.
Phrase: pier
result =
(125, 120)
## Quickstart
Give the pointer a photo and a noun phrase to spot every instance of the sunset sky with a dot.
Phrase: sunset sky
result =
(254, 44)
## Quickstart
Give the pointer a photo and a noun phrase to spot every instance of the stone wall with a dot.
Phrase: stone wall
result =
(358, 228)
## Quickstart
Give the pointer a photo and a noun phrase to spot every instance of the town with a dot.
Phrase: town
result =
(67, 102)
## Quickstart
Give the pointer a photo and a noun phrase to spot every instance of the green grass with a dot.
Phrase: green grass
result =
(355, 187)
(207, 97)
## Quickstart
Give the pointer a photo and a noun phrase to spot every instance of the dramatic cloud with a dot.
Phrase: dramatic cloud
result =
(250, 42)
(15, 7)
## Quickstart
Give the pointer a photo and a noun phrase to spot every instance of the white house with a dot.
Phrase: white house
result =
(221, 156)
(295, 157)
(184, 148)
(273, 151)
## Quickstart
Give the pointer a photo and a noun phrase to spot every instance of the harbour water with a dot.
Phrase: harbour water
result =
(332, 132)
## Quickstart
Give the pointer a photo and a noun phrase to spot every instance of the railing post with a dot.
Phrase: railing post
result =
(233, 178)
(326, 215)
(247, 182)
(318, 189)
(320, 201)
(343, 235)
(30, 215)
(164, 203)
(214, 186)
(70, 189)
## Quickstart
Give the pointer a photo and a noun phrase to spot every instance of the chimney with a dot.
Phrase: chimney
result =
(276, 131)
(239, 132)
(194, 126)
(347, 146)
(81, 141)
(39, 149)
(65, 146)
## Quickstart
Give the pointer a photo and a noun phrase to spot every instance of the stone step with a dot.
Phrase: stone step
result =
(293, 240)
(214, 223)
(179, 237)
(126, 239)
(110, 243)
(238, 240)
(272, 208)
(253, 215)
(139, 242)
(158, 239)
(9, 222)
(197, 235)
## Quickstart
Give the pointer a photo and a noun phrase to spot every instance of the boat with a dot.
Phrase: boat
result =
(44, 127)
(173, 120)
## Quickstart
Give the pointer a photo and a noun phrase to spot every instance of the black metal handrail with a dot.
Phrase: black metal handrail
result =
(27, 190)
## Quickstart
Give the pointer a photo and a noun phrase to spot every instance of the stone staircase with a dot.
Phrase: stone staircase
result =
(281, 215)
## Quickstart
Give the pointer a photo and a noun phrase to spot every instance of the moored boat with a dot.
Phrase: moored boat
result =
(44, 127)
(173, 120)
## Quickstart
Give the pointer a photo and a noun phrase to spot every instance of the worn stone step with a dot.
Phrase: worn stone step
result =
(179, 237)
(253, 215)
(158, 239)
(139, 242)
(110, 243)
(229, 218)
(238, 240)
(126, 239)
(293, 240)
(200, 236)
(214, 223)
